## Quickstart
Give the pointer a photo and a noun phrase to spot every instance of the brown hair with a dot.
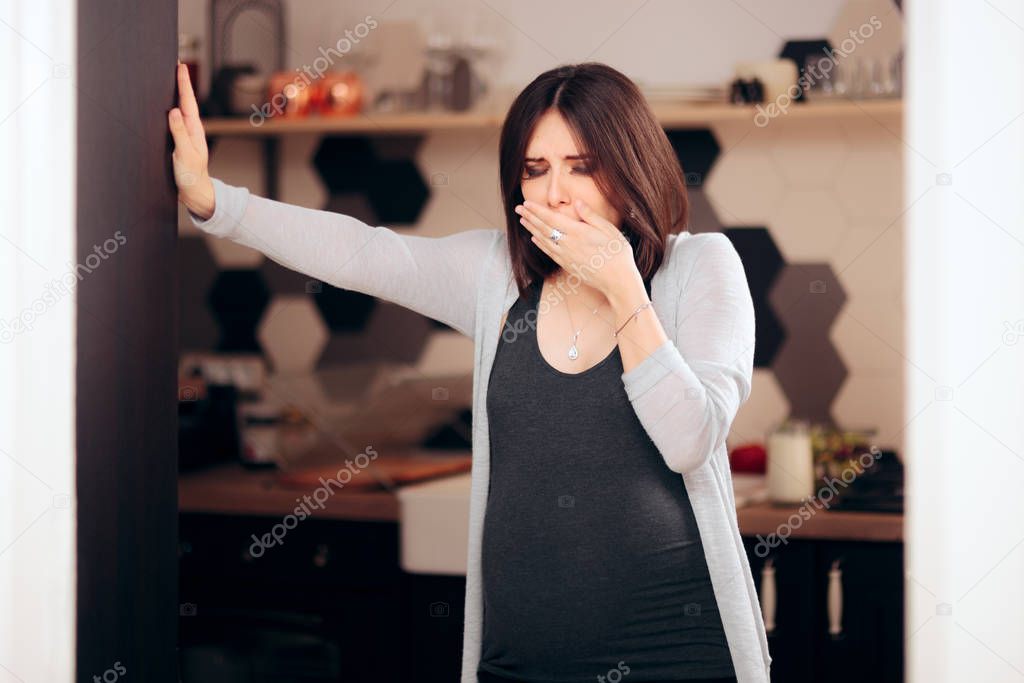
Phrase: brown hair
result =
(634, 165)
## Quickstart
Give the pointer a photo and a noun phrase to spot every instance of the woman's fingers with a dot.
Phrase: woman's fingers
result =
(184, 158)
(190, 108)
(186, 95)
(182, 142)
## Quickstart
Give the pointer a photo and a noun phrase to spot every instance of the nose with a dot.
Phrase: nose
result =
(557, 196)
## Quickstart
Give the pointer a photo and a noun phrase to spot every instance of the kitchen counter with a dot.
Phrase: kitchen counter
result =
(232, 489)
(837, 525)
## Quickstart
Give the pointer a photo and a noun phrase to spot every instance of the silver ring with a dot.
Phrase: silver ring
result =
(556, 235)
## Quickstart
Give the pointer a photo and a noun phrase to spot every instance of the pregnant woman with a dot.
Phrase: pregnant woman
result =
(612, 351)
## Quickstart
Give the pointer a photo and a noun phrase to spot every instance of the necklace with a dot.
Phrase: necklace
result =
(573, 351)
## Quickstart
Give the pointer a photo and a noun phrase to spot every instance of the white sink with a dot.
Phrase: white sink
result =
(434, 518)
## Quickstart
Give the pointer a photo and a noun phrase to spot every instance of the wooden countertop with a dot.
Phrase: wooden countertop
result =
(235, 490)
(232, 489)
(822, 524)
(368, 494)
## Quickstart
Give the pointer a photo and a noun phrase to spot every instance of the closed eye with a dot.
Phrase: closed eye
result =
(537, 172)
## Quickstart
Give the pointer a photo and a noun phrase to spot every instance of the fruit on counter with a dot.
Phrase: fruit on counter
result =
(750, 457)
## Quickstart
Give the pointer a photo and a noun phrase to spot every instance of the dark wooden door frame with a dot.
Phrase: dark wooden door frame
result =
(126, 401)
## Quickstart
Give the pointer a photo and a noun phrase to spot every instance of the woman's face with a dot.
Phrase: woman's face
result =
(556, 177)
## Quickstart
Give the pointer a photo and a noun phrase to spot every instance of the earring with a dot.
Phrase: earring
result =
(632, 214)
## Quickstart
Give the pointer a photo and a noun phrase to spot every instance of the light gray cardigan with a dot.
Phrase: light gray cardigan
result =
(685, 393)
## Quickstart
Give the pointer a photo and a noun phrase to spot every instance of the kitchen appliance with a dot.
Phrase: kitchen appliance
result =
(879, 488)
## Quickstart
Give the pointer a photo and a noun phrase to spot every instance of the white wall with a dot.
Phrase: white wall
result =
(658, 42)
(37, 241)
(965, 336)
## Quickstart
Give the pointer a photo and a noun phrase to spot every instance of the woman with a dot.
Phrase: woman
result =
(612, 353)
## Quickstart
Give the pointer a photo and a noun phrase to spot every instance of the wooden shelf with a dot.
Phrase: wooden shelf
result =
(683, 115)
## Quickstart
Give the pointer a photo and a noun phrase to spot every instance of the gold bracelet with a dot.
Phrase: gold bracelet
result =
(640, 308)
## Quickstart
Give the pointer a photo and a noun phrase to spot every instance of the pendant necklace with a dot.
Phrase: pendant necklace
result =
(573, 351)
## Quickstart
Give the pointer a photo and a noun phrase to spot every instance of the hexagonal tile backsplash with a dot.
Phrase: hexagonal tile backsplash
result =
(796, 202)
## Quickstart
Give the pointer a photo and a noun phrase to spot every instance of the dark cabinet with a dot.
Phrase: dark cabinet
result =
(859, 632)
(791, 567)
(838, 609)
(322, 602)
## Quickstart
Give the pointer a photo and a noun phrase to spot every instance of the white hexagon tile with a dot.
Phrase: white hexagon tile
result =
(869, 181)
(446, 353)
(808, 153)
(237, 162)
(292, 334)
(745, 186)
(870, 257)
(299, 183)
(461, 170)
(766, 408)
(808, 225)
(868, 334)
(873, 401)
(228, 254)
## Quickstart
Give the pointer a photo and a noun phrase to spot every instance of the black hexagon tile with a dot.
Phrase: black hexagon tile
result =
(810, 373)
(282, 280)
(762, 263)
(396, 191)
(238, 299)
(702, 215)
(454, 435)
(807, 298)
(353, 204)
(344, 310)
(342, 162)
(382, 170)
(393, 147)
(697, 150)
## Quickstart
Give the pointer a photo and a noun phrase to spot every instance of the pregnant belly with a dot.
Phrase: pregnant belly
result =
(567, 577)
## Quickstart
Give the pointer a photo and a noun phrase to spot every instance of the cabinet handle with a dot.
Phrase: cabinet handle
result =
(768, 599)
(835, 600)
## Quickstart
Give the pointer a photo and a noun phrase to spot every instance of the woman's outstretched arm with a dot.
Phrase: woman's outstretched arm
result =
(435, 276)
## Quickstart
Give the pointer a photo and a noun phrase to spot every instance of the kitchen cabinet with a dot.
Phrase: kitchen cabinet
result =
(324, 604)
(838, 609)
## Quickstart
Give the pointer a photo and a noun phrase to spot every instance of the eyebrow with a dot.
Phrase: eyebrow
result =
(571, 157)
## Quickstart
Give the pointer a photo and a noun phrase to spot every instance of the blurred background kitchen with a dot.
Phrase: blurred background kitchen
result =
(787, 121)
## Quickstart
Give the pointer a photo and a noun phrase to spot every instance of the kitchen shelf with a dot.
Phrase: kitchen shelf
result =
(671, 115)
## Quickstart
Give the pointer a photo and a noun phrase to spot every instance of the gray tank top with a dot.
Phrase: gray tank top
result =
(591, 557)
